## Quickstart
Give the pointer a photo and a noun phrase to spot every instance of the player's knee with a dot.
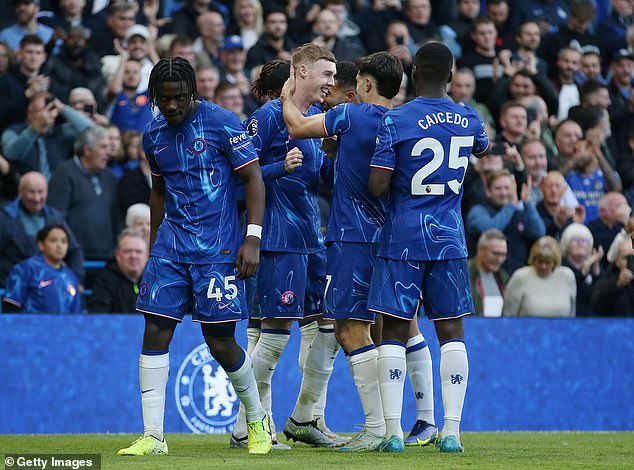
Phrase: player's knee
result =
(450, 329)
(158, 332)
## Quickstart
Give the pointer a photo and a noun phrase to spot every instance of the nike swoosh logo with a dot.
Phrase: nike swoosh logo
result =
(271, 368)
(242, 391)
(160, 150)
(45, 283)
(222, 306)
(145, 391)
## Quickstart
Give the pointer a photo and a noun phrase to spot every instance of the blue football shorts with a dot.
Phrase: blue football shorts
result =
(210, 291)
(348, 275)
(441, 288)
(291, 285)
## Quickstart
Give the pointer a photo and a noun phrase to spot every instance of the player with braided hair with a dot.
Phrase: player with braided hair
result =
(197, 257)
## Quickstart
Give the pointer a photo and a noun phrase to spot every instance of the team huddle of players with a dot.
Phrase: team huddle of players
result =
(394, 248)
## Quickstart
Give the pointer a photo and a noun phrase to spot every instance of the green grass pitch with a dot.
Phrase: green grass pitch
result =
(506, 450)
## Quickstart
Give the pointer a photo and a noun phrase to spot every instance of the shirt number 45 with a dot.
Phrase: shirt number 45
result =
(216, 293)
(419, 188)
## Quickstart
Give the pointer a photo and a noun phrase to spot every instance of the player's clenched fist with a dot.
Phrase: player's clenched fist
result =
(293, 160)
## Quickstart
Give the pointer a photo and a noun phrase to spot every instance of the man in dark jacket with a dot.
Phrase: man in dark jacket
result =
(115, 290)
(613, 295)
(20, 221)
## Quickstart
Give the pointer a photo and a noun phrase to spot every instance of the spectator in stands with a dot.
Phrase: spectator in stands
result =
(537, 110)
(273, 42)
(135, 185)
(129, 159)
(535, 160)
(249, 21)
(486, 276)
(43, 283)
(207, 80)
(70, 14)
(483, 59)
(39, 143)
(584, 261)
(374, 20)
(625, 163)
(6, 59)
(83, 100)
(140, 45)
(614, 213)
(567, 134)
(558, 207)
(229, 96)
(513, 124)
(468, 10)
(568, 63)
(498, 12)
(549, 14)
(528, 39)
(463, 87)
(590, 67)
(400, 44)
(417, 19)
(517, 219)
(612, 29)
(476, 180)
(182, 46)
(121, 17)
(212, 34)
(233, 70)
(20, 221)
(116, 153)
(327, 29)
(592, 175)
(347, 28)
(137, 218)
(84, 190)
(130, 109)
(115, 290)
(26, 23)
(212, 29)
(576, 34)
(594, 93)
(184, 20)
(544, 288)
(622, 68)
(23, 81)
(613, 295)
(75, 65)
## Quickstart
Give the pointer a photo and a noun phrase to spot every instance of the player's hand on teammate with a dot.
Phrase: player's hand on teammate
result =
(293, 160)
(248, 258)
(289, 86)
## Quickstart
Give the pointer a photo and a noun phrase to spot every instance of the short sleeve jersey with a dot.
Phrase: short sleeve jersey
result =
(36, 287)
(291, 217)
(355, 215)
(427, 143)
(197, 161)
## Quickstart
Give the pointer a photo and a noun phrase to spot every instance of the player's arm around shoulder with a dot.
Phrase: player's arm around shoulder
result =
(248, 258)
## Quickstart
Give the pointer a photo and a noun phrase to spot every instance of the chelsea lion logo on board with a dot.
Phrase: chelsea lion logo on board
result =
(205, 398)
(199, 145)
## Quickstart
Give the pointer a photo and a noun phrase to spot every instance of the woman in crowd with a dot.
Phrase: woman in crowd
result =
(248, 15)
(544, 288)
(584, 261)
(43, 283)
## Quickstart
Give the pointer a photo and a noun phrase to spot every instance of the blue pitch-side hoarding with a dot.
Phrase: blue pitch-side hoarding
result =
(79, 374)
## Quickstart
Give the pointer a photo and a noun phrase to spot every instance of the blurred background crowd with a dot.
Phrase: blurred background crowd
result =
(547, 214)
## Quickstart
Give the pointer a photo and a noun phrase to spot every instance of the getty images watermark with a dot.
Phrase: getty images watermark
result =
(55, 461)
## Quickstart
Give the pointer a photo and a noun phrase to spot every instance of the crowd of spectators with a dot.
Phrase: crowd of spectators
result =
(549, 210)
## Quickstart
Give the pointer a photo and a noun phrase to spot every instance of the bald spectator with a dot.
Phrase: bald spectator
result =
(614, 212)
(184, 20)
(212, 29)
(207, 80)
(115, 290)
(84, 190)
(556, 210)
(535, 160)
(567, 134)
(463, 86)
(613, 296)
(20, 221)
(486, 276)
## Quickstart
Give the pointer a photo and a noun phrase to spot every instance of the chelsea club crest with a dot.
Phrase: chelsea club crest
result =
(205, 398)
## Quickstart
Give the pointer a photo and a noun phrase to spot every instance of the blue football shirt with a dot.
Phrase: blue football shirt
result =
(291, 217)
(426, 143)
(36, 287)
(197, 161)
(355, 215)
